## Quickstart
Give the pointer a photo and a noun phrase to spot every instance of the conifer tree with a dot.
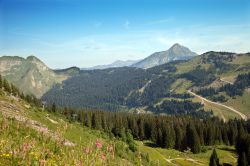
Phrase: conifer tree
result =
(159, 137)
(1, 81)
(168, 135)
(141, 129)
(53, 108)
(179, 138)
(154, 132)
(87, 120)
(193, 140)
(214, 161)
(6, 86)
(242, 160)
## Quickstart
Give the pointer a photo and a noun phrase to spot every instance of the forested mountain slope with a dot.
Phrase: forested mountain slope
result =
(152, 89)
(128, 88)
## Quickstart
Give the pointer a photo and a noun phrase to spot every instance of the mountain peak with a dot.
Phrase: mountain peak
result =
(176, 45)
(33, 58)
(176, 52)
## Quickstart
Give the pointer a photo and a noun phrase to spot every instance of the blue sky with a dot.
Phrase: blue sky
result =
(65, 33)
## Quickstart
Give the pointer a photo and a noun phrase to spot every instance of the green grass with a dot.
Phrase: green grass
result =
(181, 85)
(242, 103)
(241, 60)
(21, 145)
(188, 66)
(218, 111)
(160, 156)
(16, 135)
(243, 63)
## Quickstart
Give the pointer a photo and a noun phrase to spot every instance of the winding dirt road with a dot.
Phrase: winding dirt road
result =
(226, 81)
(243, 116)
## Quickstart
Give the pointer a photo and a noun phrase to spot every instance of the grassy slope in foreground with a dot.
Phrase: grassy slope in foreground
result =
(30, 136)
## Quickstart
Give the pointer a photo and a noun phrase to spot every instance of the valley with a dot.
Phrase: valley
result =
(124, 83)
(130, 88)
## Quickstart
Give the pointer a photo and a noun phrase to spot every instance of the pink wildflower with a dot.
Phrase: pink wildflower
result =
(98, 144)
(87, 150)
(103, 157)
(26, 147)
(14, 152)
(110, 148)
(42, 162)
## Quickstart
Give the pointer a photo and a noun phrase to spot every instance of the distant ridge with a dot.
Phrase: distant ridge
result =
(118, 63)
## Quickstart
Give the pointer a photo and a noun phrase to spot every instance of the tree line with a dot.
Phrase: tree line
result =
(180, 107)
(237, 89)
(177, 132)
(242, 149)
(13, 90)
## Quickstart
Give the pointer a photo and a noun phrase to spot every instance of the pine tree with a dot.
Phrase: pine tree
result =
(1, 81)
(28, 98)
(214, 161)
(96, 121)
(6, 86)
(159, 138)
(193, 140)
(242, 160)
(87, 120)
(179, 138)
(130, 141)
(135, 129)
(248, 154)
(53, 108)
(141, 129)
(14, 90)
(154, 132)
(22, 95)
(104, 123)
(168, 135)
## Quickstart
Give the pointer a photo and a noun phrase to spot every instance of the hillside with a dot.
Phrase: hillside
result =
(152, 89)
(135, 89)
(30, 135)
(176, 52)
(30, 74)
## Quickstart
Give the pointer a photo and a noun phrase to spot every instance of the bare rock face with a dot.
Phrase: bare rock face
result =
(6, 63)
